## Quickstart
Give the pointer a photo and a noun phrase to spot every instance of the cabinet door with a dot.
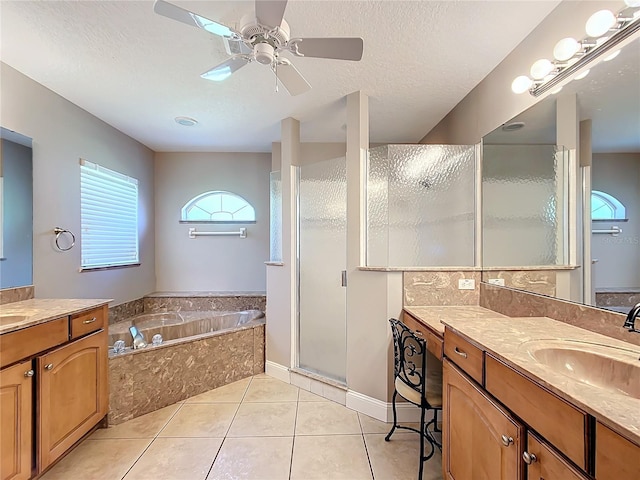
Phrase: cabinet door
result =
(72, 393)
(544, 463)
(16, 420)
(481, 440)
(616, 457)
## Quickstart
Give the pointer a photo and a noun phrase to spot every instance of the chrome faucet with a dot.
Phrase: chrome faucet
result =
(629, 323)
(138, 339)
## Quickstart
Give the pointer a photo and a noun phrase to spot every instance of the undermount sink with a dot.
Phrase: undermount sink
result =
(7, 319)
(608, 367)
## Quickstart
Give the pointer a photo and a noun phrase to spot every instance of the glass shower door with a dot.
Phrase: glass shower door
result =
(322, 257)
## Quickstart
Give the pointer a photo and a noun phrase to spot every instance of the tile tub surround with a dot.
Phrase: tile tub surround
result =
(534, 281)
(144, 381)
(505, 338)
(439, 288)
(201, 301)
(516, 303)
(125, 311)
(10, 295)
(626, 298)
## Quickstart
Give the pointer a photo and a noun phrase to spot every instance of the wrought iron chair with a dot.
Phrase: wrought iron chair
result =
(418, 382)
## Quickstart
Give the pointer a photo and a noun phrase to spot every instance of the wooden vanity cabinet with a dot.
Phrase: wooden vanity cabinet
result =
(616, 457)
(16, 421)
(544, 463)
(72, 393)
(481, 440)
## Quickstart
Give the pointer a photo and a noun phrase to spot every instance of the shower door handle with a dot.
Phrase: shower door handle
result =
(344, 278)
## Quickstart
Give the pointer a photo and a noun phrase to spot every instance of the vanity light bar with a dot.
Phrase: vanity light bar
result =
(590, 49)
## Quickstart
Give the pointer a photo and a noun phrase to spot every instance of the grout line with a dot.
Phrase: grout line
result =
(366, 449)
(215, 457)
(138, 459)
(293, 440)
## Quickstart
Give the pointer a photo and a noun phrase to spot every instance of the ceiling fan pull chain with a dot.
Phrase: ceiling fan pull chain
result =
(275, 70)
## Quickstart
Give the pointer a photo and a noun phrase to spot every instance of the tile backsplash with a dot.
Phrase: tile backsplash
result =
(440, 288)
(10, 295)
(534, 281)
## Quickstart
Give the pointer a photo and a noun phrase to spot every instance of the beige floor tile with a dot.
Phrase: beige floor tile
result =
(262, 375)
(305, 396)
(176, 459)
(98, 460)
(232, 393)
(264, 420)
(201, 420)
(146, 426)
(253, 458)
(270, 390)
(326, 418)
(371, 425)
(329, 457)
(398, 459)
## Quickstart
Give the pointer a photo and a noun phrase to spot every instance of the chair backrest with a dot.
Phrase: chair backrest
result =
(410, 356)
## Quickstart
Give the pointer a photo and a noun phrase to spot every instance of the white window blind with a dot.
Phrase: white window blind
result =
(109, 217)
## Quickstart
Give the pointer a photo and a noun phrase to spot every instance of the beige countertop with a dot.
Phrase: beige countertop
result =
(27, 313)
(432, 316)
(511, 339)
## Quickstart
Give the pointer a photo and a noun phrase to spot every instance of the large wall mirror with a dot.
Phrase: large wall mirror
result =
(609, 96)
(16, 210)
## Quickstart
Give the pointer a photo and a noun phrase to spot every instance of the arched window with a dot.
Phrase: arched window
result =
(606, 207)
(218, 207)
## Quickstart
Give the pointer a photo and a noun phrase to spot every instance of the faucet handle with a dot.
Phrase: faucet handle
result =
(629, 323)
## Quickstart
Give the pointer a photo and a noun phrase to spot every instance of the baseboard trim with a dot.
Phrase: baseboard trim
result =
(278, 371)
(383, 411)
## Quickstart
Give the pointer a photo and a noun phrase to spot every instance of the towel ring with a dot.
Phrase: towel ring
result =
(59, 231)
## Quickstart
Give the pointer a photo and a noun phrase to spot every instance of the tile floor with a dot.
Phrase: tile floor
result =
(258, 428)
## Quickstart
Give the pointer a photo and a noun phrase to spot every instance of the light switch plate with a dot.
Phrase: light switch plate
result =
(466, 284)
(497, 281)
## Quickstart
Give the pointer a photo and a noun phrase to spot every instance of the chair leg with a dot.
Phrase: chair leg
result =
(422, 436)
(393, 404)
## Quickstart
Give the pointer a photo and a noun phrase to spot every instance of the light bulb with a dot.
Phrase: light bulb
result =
(582, 75)
(565, 49)
(541, 68)
(612, 56)
(557, 90)
(521, 84)
(632, 3)
(599, 23)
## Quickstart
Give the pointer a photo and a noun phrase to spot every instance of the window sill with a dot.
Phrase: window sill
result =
(111, 267)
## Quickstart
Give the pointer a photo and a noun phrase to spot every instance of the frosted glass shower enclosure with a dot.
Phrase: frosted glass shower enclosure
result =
(421, 205)
(322, 257)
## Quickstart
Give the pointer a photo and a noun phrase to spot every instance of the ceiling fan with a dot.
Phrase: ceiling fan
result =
(263, 37)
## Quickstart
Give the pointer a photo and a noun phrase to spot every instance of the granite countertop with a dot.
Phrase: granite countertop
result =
(510, 340)
(432, 316)
(27, 313)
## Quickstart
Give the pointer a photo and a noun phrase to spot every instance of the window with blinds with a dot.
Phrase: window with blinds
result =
(109, 217)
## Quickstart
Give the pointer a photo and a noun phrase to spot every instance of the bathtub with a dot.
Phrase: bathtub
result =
(201, 350)
(182, 325)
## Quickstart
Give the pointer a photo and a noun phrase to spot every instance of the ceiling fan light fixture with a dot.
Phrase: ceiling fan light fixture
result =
(264, 53)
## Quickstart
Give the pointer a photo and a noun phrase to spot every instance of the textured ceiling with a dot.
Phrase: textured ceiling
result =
(137, 70)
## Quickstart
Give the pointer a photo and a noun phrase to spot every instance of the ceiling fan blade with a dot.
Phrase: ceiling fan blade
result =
(337, 48)
(270, 12)
(174, 12)
(291, 78)
(225, 69)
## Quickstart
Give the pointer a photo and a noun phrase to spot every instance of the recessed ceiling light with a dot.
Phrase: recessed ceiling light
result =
(513, 126)
(186, 121)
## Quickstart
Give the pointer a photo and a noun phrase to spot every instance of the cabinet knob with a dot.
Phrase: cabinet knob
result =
(28, 373)
(529, 458)
(506, 440)
(48, 366)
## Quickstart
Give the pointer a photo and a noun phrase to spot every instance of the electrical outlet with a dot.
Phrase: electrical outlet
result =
(497, 281)
(466, 284)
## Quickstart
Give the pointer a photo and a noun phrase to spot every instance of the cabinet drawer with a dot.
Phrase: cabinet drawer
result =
(434, 342)
(557, 421)
(467, 356)
(546, 463)
(27, 342)
(87, 322)
(616, 457)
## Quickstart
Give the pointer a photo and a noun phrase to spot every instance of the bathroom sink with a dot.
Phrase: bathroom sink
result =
(608, 367)
(9, 319)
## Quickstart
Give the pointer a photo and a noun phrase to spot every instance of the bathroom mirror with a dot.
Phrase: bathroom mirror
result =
(16, 210)
(610, 97)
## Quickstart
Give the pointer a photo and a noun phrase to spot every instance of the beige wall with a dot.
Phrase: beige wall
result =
(63, 133)
(210, 263)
